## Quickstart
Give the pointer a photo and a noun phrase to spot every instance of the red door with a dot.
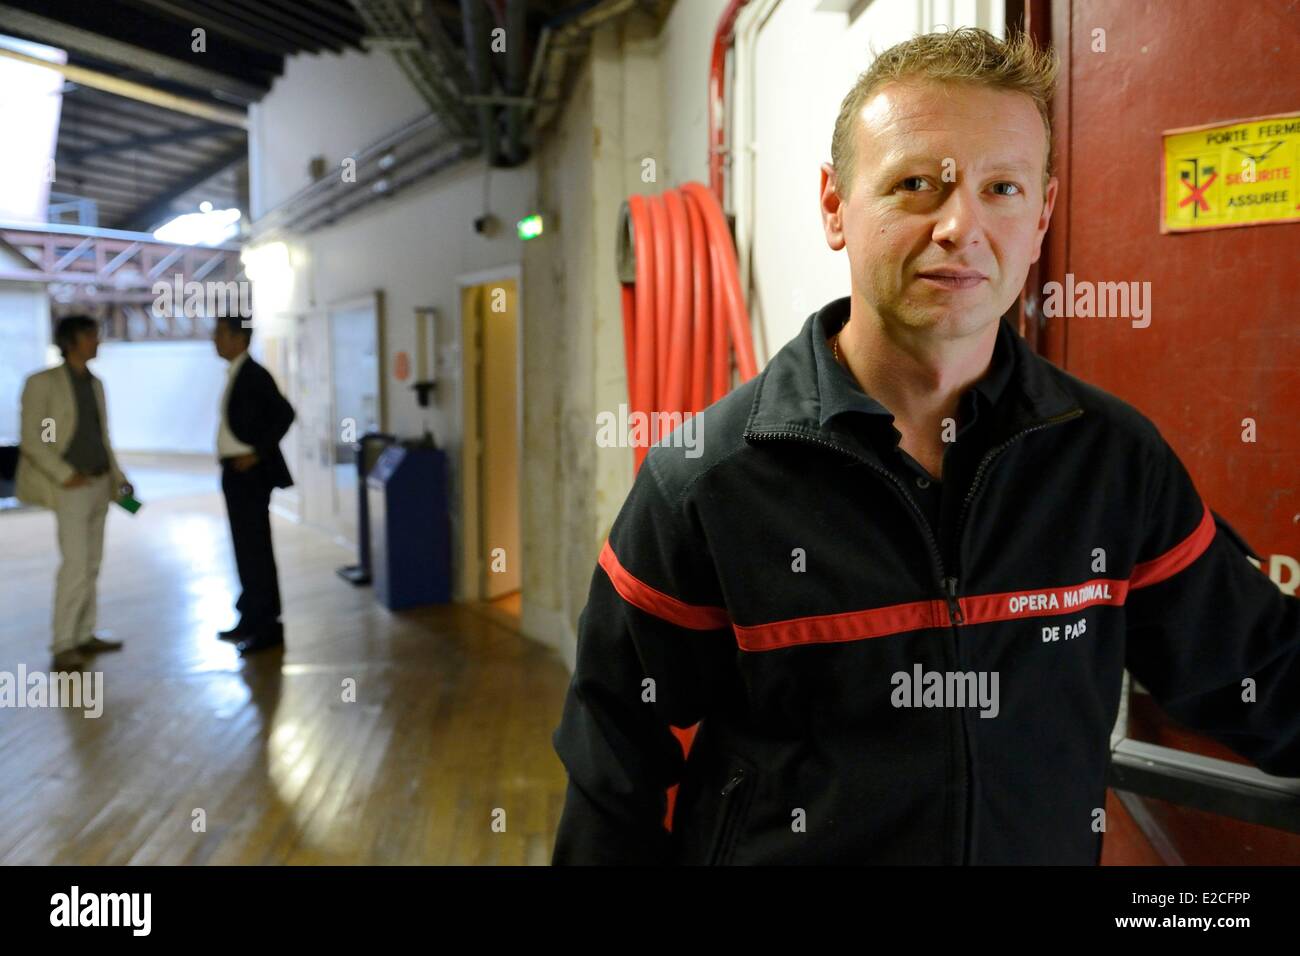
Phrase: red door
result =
(1223, 343)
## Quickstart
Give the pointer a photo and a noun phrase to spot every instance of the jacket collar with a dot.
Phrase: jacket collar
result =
(237, 365)
(796, 397)
(73, 373)
(839, 393)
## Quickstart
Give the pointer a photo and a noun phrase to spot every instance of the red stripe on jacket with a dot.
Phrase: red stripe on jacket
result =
(849, 626)
(653, 601)
(913, 615)
(1177, 557)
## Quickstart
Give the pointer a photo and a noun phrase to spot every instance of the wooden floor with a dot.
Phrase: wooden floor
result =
(450, 727)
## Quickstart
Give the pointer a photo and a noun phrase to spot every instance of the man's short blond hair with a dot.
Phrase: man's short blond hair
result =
(965, 55)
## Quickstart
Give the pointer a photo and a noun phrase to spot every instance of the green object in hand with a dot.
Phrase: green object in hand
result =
(129, 502)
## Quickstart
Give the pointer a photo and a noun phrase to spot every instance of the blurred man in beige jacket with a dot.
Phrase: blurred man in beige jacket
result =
(66, 464)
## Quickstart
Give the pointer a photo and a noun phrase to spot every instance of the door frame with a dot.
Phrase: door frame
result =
(468, 454)
(374, 298)
(318, 319)
(307, 322)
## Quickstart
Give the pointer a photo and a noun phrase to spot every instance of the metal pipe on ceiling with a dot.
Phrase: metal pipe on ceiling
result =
(427, 58)
(477, 51)
(383, 169)
(559, 42)
(516, 41)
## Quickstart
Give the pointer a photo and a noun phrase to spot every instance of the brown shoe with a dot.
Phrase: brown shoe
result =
(96, 645)
(68, 661)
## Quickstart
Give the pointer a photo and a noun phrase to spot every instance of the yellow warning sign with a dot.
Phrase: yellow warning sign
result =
(1233, 174)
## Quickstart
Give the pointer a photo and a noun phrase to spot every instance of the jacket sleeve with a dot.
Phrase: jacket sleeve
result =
(276, 415)
(118, 476)
(1202, 620)
(42, 454)
(653, 640)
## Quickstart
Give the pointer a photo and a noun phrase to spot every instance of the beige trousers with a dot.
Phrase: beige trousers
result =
(80, 513)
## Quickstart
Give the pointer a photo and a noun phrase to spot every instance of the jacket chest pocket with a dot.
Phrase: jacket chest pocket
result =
(735, 798)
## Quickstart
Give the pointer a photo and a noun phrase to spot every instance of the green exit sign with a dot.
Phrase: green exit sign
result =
(530, 227)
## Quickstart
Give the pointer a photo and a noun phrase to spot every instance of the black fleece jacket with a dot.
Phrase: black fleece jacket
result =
(872, 690)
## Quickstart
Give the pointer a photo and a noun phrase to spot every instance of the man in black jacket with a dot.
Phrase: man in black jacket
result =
(898, 590)
(254, 418)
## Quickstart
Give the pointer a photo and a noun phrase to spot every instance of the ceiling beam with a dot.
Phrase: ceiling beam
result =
(67, 37)
(263, 38)
(158, 206)
(325, 32)
(136, 185)
(102, 102)
(338, 10)
(135, 91)
(145, 142)
(136, 167)
(78, 136)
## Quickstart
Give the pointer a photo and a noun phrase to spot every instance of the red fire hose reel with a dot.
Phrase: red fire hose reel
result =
(683, 309)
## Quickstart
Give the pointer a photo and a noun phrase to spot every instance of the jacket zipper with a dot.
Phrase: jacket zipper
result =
(889, 476)
(955, 607)
(948, 585)
(993, 453)
(733, 782)
(730, 812)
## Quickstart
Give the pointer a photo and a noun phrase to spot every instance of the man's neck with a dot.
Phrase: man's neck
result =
(918, 376)
(237, 356)
(78, 365)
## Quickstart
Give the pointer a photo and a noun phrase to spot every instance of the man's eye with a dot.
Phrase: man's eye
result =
(914, 184)
(1012, 186)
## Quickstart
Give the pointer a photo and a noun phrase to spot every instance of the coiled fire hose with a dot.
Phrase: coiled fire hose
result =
(683, 310)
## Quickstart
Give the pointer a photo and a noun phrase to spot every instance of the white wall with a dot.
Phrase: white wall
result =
(686, 44)
(329, 105)
(24, 337)
(31, 98)
(413, 248)
(162, 396)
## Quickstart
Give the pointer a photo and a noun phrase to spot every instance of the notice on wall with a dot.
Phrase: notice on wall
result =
(1232, 174)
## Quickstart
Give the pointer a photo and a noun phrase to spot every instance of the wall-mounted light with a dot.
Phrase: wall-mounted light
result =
(269, 266)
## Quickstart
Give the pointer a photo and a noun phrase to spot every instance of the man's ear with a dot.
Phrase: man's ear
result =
(831, 209)
(1045, 217)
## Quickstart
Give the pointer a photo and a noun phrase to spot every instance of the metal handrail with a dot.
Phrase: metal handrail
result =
(1206, 783)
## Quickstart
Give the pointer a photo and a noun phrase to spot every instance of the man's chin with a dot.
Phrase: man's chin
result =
(949, 321)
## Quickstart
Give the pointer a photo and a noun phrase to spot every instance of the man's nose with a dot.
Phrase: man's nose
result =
(959, 223)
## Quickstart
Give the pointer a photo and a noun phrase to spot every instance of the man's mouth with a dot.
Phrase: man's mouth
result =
(953, 278)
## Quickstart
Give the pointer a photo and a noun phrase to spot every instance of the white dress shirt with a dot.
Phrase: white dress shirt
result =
(228, 446)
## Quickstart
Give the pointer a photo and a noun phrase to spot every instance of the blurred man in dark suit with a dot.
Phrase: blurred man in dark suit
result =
(254, 418)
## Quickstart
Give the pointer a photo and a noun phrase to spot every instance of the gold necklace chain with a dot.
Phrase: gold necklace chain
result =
(835, 346)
